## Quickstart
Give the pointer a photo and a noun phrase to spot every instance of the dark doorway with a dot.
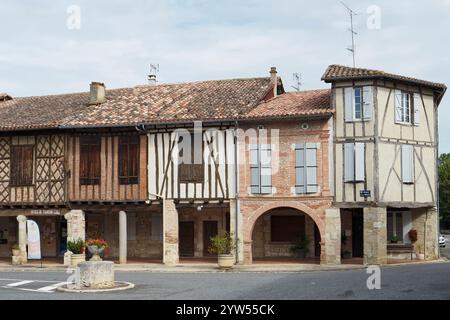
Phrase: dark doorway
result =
(357, 233)
(62, 237)
(186, 239)
(210, 230)
(317, 248)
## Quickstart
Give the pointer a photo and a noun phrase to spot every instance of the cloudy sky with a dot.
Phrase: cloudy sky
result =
(215, 39)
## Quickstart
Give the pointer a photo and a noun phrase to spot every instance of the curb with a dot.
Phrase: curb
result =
(128, 285)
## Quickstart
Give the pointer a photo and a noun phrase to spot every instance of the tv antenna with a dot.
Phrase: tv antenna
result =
(352, 31)
(154, 70)
(297, 80)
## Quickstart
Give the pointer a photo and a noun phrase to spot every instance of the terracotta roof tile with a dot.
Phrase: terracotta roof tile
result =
(338, 72)
(292, 104)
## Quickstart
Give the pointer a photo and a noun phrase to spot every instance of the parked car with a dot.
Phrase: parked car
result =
(442, 241)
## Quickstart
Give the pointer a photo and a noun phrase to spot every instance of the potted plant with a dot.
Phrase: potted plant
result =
(15, 250)
(412, 235)
(394, 239)
(78, 251)
(96, 247)
(300, 247)
(223, 245)
(420, 255)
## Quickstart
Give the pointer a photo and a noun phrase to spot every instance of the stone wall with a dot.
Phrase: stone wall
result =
(375, 235)
(425, 222)
(331, 244)
(8, 232)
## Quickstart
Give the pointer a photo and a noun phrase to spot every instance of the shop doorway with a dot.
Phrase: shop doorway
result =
(210, 229)
(186, 238)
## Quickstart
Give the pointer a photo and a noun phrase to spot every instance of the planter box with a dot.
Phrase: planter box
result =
(76, 259)
(225, 261)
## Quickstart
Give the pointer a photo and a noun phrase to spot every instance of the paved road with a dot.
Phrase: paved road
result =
(431, 281)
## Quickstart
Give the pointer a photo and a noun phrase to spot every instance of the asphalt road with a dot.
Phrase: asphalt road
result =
(425, 281)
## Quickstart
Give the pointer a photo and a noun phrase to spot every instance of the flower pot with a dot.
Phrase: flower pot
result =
(95, 251)
(16, 252)
(225, 261)
(77, 258)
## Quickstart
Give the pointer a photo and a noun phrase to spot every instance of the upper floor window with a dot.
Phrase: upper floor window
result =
(21, 166)
(407, 107)
(90, 160)
(261, 168)
(306, 168)
(354, 162)
(129, 159)
(188, 170)
(407, 163)
(358, 103)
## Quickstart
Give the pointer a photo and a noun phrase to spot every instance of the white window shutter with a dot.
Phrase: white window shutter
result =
(398, 106)
(417, 105)
(407, 163)
(349, 100)
(255, 182)
(300, 162)
(311, 168)
(359, 162)
(266, 168)
(349, 162)
(367, 102)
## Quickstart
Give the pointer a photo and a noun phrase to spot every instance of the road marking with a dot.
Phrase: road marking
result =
(16, 284)
(51, 288)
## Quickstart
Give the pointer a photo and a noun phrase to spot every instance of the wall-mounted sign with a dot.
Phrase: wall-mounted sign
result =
(45, 212)
(365, 194)
(34, 240)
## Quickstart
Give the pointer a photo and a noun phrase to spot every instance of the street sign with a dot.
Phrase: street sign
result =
(365, 194)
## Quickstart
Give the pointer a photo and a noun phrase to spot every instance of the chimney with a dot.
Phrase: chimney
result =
(274, 80)
(97, 93)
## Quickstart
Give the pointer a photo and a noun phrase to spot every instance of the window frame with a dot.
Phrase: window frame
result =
(303, 148)
(15, 181)
(124, 162)
(361, 103)
(355, 162)
(89, 144)
(392, 229)
(260, 189)
(193, 169)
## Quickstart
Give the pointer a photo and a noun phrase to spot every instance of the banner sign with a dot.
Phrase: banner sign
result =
(34, 240)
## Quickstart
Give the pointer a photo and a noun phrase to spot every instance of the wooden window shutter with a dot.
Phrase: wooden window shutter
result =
(192, 172)
(266, 168)
(367, 102)
(398, 106)
(417, 106)
(90, 160)
(300, 161)
(311, 168)
(128, 159)
(255, 183)
(349, 162)
(21, 166)
(359, 161)
(349, 100)
(407, 163)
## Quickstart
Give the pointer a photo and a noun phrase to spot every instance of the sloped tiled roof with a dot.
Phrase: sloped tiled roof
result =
(292, 104)
(207, 100)
(339, 72)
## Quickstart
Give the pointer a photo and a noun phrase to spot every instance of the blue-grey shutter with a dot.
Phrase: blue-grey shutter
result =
(367, 102)
(359, 162)
(349, 162)
(349, 101)
(398, 106)
(255, 183)
(417, 105)
(300, 161)
(407, 163)
(266, 168)
(311, 168)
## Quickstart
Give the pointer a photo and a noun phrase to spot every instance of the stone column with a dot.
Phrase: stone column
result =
(76, 229)
(170, 233)
(122, 237)
(331, 240)
(431, 234)
(248, 251)
(22, 240)
(239, 252)
(375, 234)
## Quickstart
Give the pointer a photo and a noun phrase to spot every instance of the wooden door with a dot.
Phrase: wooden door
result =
(48, 234)
(357, 233)
(210, 229)
(186, 239)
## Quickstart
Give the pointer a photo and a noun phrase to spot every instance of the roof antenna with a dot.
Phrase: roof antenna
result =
(154, 70)
(297, 79)
(352, 31)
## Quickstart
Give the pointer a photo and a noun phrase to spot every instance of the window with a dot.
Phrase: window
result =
(129, 159)
(354, 162)
(21, 166)
(358, 103)
(306, 168)
(157, 227)
(261, 168)
(188, 170)
(407, 163)
(287, 228)
(90, 160)
(407, 107)
(394, 225)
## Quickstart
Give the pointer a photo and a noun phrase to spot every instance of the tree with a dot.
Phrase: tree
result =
(444, 190)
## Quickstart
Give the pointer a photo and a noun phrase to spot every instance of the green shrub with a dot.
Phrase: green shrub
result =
(222, 244)
(76, 246)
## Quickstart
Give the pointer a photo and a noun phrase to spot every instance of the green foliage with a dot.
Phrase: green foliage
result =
(444, 189)
(76, 246)
(223, 244)
(301, 245)
(15, 246)
(394, 239)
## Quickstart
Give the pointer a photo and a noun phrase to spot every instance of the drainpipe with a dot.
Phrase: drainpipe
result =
(236, 187)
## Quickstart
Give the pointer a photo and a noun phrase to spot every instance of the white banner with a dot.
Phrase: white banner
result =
(34, 240)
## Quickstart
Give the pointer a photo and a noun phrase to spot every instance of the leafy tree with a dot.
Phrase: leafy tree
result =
(444, 189)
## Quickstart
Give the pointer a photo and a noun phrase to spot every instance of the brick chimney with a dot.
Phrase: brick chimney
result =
(97, 93)
(274, 80)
